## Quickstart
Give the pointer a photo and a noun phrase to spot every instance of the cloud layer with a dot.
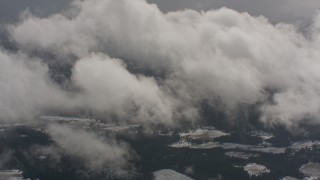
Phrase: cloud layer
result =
(228, 58)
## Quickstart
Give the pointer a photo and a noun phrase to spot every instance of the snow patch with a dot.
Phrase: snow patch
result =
(254, 169)
(168, 174)
(205, 133)
(241, 155)
(311, 169)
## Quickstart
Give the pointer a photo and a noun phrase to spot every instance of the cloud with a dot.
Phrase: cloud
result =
(109, 88)
(221, 56)
(5, 156)
(97, 154)
(25, 88)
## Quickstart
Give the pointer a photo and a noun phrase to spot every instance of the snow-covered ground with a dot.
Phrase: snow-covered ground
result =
(205, 133)
(289, 178)
(262, 149)
(209, 134)
(228, 146)
(66, 119)
(181, 144)
(116, 127)
(307, 145)
(205, 138)
(87, 123)
(168, 174)
(207, 145)
(254, 169)
(311, 170)
(241, 155)
(263, 135)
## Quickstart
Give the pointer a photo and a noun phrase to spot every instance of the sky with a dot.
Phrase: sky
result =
(275, 10)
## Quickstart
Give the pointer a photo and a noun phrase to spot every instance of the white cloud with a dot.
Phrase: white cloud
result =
(96, 153)
(108, 87)
(25, 88)
(219, 55)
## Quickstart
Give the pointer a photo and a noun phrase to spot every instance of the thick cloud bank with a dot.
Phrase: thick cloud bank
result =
(221, 56)
(109, 87)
